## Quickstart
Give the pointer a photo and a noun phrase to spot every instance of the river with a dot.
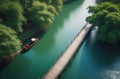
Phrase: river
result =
(94, 60)
(90, 61)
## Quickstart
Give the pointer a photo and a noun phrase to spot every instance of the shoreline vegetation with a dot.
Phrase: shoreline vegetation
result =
(20, 20)
(24, 21)
(106, 15)
(6, 60)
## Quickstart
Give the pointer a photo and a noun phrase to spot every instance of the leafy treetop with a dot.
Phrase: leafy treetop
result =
(9, 42)
(107, 17)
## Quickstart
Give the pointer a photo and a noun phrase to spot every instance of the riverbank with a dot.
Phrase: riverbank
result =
(36, 34)
(38, 60)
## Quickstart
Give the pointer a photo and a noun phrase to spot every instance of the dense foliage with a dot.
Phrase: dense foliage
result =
(41, 12)
(14, 14)
(11, 14)
(107, 17)
(9, 42)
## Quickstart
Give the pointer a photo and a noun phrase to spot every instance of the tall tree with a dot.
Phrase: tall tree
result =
(41, 14)
(11, 14)
(107, 17)
(58, 4)
(9, 42)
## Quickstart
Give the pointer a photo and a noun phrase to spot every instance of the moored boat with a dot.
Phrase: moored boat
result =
(30, 44)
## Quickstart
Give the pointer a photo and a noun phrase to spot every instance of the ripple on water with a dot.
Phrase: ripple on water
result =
(111, 74)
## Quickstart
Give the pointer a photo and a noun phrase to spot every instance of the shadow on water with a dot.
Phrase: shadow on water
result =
(103, 54)
(94, 61)
(49, 38)
(20, 66)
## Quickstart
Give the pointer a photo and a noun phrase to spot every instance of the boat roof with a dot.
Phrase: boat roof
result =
(33, 39)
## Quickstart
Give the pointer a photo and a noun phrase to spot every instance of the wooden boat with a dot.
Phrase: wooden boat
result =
(26, 47)
(30, 44)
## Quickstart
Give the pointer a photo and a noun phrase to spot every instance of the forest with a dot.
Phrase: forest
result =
(18, 15)
(106, 15)
(15, 15)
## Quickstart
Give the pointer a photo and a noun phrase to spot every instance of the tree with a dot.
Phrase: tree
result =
(26, 4)
(107, 17)
(9, 42)
(11, 14)
(58, 4)
(41, 14)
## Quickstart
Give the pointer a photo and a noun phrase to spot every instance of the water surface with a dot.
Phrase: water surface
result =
(38, 60)
(94, 60)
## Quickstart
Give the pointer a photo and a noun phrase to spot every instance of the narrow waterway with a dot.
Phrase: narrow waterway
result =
(92, 61)
(38, 60)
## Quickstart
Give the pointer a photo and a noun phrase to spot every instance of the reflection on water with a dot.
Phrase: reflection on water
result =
(94, 60)
(93, 35)
(48, 49)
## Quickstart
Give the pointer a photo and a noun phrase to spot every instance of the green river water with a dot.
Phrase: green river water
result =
(92, 60)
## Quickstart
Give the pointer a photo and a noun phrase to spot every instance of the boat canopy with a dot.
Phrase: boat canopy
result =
(33, 39)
